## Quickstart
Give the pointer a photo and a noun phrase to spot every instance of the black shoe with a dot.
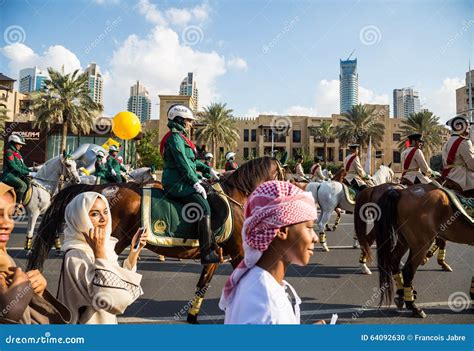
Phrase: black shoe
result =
(210, 253)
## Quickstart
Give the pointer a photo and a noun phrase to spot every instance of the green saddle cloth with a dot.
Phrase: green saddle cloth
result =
(463, 204)
(350, 193)
(172, 223)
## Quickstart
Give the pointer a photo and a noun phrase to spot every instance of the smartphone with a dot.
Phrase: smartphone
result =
(140, 232)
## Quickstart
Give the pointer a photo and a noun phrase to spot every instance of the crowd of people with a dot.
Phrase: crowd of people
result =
(93, 287)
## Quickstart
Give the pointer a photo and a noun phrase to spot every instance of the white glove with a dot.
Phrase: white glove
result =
(113, 172)
(200, 189)
(214, 174)
(435, 174)
(32, 174)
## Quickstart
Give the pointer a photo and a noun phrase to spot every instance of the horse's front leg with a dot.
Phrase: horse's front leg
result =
(32, 218)
(201, 289)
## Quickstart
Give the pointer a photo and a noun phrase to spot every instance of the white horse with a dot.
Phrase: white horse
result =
(48, 180)
(139, 176)
(329, 195)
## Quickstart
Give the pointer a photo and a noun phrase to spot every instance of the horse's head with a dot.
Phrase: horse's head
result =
(69, 169)
(142, 175)
(387, 175)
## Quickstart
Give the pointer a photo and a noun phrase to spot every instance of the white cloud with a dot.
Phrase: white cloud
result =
(301, 111)
(327, 97)
(107, 2)
(367, 96)
(254, 112)
(160, 62)
(238, 63)
(173, 16)
(442, 101)
(56, 56)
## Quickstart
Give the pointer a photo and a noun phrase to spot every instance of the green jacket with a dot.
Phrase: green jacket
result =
(13, 162)
(113, 164)
(100, 170)
(180, 166)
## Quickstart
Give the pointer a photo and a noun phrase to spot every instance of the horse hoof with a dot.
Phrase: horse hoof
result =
(418, 313)
(328, 229)
(445, 267)
(334, 228)
(365, 269)
(192, 319)
(425, 261)
(325, 247)
(161, 258)
(399, 302)
(355, 245)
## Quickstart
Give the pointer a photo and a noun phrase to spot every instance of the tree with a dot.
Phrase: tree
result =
(149, 153)
(216, 126)
(65, 100)
(426, 124)
(324, 132)
(358, 125)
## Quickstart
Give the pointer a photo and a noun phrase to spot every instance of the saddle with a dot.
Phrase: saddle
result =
(350, 193)
(173, 223)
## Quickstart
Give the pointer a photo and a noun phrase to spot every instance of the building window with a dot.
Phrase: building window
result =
(396, 157)
(341, 155)
(254, 152)
(396, 136)
(246, 153)
(253, 135)
(378, 154)
(297, 136)
(246, 135)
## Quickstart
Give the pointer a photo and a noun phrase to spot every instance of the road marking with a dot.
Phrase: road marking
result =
(359, 310)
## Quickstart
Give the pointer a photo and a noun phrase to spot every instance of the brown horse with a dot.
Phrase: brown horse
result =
(366, 212)
(410, 220)
(126, 218)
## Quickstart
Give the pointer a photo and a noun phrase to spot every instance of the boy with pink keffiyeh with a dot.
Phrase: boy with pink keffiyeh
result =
(278, 231)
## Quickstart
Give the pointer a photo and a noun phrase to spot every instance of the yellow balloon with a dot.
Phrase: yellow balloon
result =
(126, 125)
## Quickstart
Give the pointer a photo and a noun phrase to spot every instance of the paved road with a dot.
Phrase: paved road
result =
(331, 283)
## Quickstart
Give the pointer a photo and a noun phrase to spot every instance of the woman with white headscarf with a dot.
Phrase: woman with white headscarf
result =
(92, 284)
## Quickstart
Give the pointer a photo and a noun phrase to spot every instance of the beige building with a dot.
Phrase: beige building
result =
(462, 96)
(15, 102)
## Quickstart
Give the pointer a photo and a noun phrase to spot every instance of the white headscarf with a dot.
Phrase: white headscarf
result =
(78, 222)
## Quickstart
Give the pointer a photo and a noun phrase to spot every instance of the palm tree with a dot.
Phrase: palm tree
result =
(216, 126)
(358, 125)
(426, 124)
(3, 117)
(324, 132)
(65, 100)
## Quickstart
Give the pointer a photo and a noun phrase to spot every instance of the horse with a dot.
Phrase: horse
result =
(49, 178)
(330, 195)
(126, 218)
(140, 176)
(399, 229)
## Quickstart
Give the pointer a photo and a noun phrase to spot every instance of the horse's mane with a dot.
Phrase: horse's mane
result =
(249, 175)
(339, 175)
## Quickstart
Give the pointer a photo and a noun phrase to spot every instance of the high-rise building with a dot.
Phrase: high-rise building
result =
(139, 102)
(96, 83)
(32, 79)
(188, 87)
(348, 85)
(465, 97)
(405, 102)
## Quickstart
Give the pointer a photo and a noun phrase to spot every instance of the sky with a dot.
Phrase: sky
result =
(259, 57)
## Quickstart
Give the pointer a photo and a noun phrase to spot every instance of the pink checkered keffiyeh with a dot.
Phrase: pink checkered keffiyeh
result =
(272, 205)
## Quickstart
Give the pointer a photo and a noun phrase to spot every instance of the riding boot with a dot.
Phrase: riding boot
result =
(209, 250)
(28, 243)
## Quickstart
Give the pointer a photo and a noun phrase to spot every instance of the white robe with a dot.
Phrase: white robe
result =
(317, 173)
(417, 168)
(299, 174)
(462, 171)
(260, 299)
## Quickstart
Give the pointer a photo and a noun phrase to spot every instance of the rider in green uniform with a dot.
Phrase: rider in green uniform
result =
(113, 166)
(181, 180)
(15, 172)
(100, 167)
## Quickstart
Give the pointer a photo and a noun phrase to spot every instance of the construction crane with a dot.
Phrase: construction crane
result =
(351, 54)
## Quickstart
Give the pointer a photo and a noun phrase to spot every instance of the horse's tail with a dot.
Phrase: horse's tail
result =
(51, 224)
(360, 227)
(385, 230)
